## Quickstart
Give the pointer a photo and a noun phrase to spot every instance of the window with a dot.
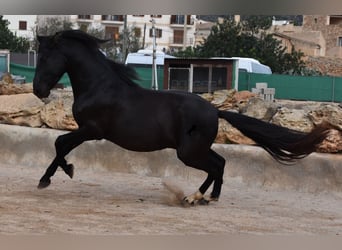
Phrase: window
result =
(202, 83)
(335, 20)
(156, 16)
(138, 15)
(22, 25)
(219, 79)
(112, 32)
(158, 33)
(339, 41)
(179, 19)
(179, 79)
(178, 36)
(84, 17)
(118, 18)
(200, 79)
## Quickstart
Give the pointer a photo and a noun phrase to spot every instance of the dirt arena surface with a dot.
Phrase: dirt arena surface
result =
(102, 202)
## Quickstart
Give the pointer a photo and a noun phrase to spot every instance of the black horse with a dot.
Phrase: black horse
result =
(109, 105)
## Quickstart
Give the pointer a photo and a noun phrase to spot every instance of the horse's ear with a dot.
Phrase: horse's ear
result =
(56, 37)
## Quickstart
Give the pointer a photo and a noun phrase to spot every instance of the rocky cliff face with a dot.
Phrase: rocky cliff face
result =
(18, 106)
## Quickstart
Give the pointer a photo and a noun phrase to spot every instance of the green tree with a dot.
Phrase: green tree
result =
(249, 38)
(224, 40)
(187, 53)
(113, 48)
(10, 41)
(53, 25)
(255, 24)
(109, 47)
(133, 41)
(50, 27)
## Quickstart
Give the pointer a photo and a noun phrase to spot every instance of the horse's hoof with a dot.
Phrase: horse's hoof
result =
(44, 184)
(203, 201)
(214, 198)
(69, 170)
(187, 203)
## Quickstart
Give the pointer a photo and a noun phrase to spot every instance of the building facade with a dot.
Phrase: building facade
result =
(330, 32)
(171, 32)
(319, 36)
(22, 25)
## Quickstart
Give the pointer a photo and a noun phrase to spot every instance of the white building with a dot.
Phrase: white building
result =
(22, 25)
(171, 32)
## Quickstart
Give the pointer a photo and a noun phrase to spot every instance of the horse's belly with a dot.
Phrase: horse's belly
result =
(145, 143)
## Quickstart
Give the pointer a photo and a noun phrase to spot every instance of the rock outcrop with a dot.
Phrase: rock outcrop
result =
(57, 113)
(296, 119)
(21, 109)
(9, 88)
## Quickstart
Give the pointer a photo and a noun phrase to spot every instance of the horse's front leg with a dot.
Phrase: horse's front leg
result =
(63, 145)
(51, 170)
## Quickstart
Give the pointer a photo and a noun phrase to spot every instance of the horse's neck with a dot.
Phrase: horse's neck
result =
(85, 72)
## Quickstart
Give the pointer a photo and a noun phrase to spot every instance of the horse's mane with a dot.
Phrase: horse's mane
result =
(88, 40)
(126, 73)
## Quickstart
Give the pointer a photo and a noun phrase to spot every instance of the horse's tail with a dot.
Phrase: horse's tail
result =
(283, 144)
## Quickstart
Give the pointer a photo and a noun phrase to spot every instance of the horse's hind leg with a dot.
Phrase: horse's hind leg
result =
(218, 163)
(213, 164)
(64, 144)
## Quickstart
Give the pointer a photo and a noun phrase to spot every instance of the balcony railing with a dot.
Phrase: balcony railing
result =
(177, 20)
(84, 17)
(178, 41)
(114, 18)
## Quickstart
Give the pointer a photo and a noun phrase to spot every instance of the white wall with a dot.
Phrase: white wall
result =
(162, 23)
(14, 25)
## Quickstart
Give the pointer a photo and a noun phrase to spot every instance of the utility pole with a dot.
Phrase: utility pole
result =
(124, 41)
(185, 32)
(154, 65)
(144, 37)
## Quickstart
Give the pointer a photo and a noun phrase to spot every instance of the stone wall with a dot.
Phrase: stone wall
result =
(325, 65)
(330, 32)
(33, 147)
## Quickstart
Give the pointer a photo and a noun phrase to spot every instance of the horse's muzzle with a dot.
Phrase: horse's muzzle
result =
(41, 93)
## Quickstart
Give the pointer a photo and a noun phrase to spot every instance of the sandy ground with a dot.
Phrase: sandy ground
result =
(99, 202)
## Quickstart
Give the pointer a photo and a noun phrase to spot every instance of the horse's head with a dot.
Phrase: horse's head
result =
(51, 65)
